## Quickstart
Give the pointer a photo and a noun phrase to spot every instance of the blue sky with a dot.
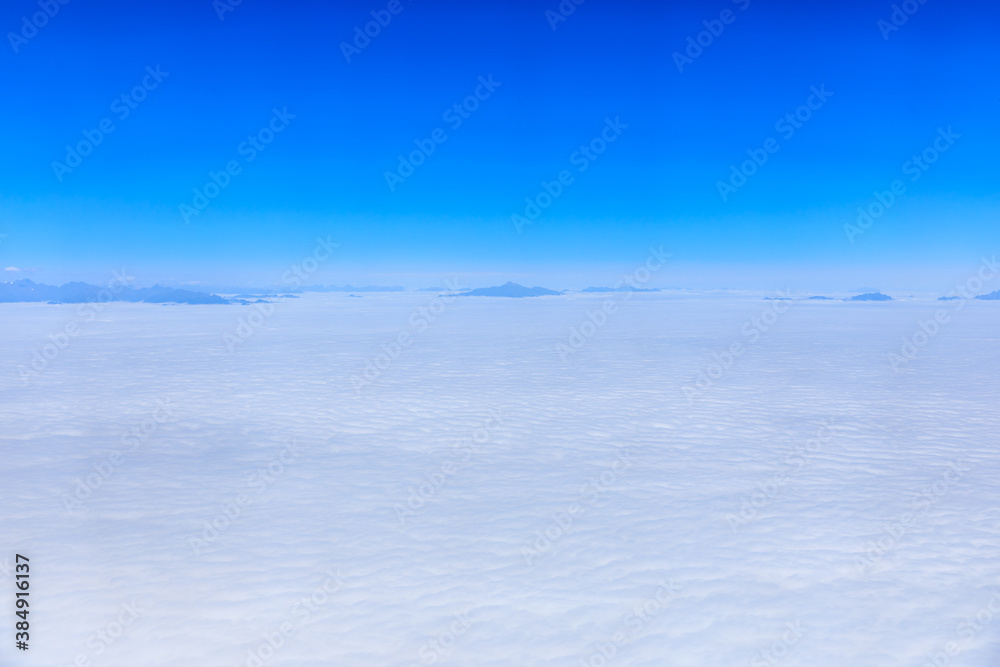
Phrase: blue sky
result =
(553, 91)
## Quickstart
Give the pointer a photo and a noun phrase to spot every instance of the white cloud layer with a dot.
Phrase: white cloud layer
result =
(488, 501)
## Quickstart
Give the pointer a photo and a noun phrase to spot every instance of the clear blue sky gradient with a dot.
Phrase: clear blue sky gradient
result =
(657, 183)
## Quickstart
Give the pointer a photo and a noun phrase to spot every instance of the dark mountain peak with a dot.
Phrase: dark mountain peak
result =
(512, 290)
(871, 296)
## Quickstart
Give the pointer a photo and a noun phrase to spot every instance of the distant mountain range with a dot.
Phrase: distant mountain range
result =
(510, 289)
(79, 292)
(870, 296)
(29, 291)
